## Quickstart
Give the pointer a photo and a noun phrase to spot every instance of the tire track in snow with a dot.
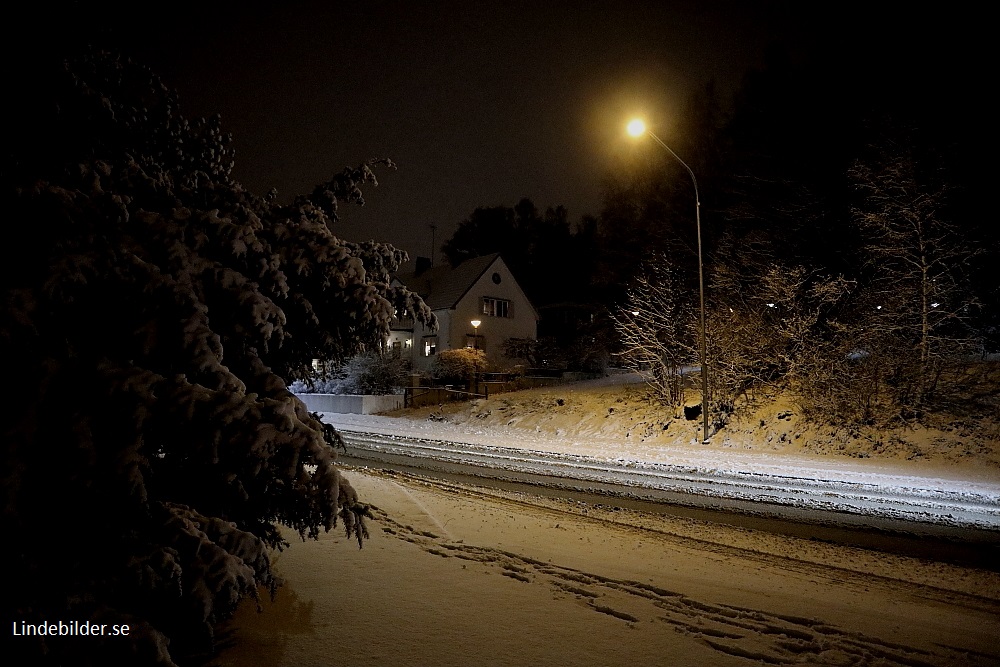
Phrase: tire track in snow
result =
(745, 632)
(893, 503)
(423, 508)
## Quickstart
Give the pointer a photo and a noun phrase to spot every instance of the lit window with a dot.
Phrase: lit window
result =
(496, 307)
(430, 347)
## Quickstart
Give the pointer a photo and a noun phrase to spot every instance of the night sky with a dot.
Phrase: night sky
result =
(479, 104)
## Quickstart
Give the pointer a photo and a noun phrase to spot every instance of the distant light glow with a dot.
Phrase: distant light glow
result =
(476, 323)
(635, 312)
(636, 128)
(935, 305)
(770, 305)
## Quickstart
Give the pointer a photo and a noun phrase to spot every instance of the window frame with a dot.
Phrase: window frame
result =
(490, 305)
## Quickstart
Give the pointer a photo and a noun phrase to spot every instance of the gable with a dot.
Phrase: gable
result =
(443, 286)
(498, 284)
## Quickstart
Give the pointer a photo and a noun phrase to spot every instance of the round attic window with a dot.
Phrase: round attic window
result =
(496, 278)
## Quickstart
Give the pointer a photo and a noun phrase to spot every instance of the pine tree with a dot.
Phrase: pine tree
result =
(153, 311)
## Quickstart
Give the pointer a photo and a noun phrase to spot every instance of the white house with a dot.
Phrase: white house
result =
(481, 289)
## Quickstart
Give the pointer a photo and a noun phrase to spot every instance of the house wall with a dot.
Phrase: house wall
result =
(419, 361)
(454, 324)
(351, 404)
(493, 331)
(405, 341)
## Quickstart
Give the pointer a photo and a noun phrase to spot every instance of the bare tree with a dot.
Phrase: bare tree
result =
(776, 333)
(657, 328)
(918, 299)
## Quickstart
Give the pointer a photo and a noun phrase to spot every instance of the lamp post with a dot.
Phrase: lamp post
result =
(475, 336)
(475, 346)
(637, 128)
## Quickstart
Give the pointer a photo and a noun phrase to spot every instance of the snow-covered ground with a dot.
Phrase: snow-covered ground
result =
(458, 574)
(888, 488)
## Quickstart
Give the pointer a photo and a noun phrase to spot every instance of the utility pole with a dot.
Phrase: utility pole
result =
(433, 240)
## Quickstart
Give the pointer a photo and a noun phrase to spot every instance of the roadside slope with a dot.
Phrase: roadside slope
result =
(618, 408)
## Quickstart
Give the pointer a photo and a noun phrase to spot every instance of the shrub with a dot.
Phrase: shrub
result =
(459, 366)
(368, 373)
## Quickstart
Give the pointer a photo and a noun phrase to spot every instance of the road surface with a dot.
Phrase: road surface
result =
(861, 503)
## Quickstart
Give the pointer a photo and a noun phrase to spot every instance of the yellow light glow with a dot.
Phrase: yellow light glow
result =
(476, 323)
(636, 128)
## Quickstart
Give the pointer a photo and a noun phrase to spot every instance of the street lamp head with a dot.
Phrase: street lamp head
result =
(476, 323)
(636, 128)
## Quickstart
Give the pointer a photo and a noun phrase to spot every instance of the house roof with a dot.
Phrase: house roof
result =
(444, 286)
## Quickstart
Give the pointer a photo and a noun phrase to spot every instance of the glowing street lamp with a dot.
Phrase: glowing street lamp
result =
(637, 128)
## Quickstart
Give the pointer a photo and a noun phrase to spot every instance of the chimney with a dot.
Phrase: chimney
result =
(423, 263)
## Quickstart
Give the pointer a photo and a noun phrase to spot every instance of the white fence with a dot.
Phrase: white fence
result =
(351, 404)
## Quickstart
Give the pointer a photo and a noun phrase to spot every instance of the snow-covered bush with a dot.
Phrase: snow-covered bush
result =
(152, 308)
(367, 373)
(460, 365)
(585, 352)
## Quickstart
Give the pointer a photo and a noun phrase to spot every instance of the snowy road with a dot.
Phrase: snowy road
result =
(823, 491)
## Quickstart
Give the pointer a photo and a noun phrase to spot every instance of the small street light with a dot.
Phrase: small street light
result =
(475, 346)
(637, 128)
(475, 336)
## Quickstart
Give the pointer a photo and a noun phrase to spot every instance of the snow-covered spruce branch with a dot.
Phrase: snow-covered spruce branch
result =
(157, 312)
